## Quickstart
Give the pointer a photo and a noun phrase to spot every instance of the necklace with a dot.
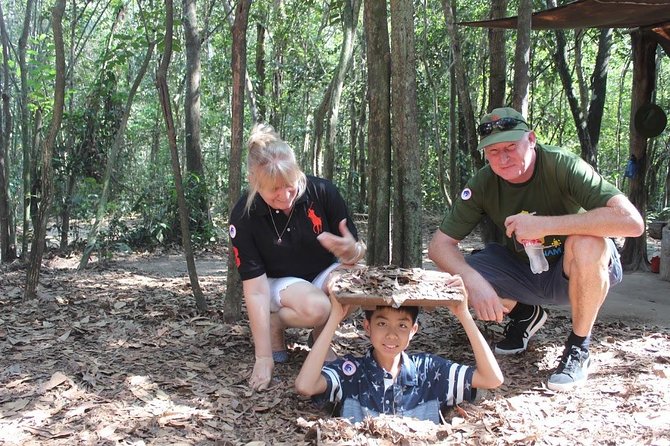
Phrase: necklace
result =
(279, 236)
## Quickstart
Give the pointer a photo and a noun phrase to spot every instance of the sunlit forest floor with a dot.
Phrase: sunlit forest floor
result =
(117, 355)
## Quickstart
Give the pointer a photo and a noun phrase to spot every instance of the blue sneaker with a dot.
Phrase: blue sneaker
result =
(280, 356)
(572, 371)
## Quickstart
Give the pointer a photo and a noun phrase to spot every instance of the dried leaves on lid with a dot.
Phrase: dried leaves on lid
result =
(390, 285)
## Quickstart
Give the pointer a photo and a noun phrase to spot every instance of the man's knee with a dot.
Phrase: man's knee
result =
(585, 252)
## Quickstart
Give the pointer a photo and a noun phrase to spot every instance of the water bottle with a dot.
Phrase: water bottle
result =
(535, 251)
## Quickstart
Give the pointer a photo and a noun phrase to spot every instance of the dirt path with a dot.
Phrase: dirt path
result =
(116, 355)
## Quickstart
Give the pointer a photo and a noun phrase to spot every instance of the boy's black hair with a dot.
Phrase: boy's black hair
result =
(413, 311)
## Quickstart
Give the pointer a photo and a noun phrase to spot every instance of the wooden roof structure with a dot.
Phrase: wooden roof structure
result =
(649, 25)
(651, 17)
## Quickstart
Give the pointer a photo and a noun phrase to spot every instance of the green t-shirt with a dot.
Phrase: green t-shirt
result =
(562, 184)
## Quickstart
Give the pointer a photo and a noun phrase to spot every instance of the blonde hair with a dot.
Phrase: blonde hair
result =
(271, 161)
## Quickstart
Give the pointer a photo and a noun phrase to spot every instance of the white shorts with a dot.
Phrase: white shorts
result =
(277, 285)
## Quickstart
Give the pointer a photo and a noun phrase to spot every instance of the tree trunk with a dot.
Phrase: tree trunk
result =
(33, 171)
(232, 306)
(279, 46)
(260, 71)
(406, 251)
(356, 146)
(192, 90)
(315, 157)
(454, 173)
(26, 140)
(7, 248)
(497, 85)
(522, 58)
(164, 98)
(598, 91)
(467, 112)
(197, 184)
(360, 143)
(326, 116)
(379, 131)
(497, 58)
(38, 244)
(110, 166)
(69, 177)
(155, 139)
(350, 16)
(66, 208)
(442, 173)
(634, 255)
(353, 153)
(587, 117)
(575, 108)
(579, 70)
(620, 131)
(247, 80)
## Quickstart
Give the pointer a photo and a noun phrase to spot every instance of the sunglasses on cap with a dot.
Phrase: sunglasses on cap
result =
(501, 124)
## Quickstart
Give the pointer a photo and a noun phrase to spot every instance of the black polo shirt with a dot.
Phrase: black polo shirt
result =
(255, 241)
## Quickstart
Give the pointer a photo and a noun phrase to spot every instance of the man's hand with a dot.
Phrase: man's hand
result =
(485, 301)
(444, 251)
(524, 226)
(262, 374)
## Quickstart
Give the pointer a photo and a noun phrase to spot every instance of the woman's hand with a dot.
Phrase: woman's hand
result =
(262, 374)
(344, 247)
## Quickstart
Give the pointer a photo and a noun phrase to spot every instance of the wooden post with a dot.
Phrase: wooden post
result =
(634, 254)
(664, 272)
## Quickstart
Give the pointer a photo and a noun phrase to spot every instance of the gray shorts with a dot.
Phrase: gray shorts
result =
(513, 279)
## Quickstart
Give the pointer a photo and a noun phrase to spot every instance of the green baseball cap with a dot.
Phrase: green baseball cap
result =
(501, 125)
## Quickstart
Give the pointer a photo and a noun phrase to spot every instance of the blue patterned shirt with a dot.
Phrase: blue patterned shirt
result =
(426, 383)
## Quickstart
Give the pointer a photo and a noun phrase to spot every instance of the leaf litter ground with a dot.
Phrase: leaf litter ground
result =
(117, 355)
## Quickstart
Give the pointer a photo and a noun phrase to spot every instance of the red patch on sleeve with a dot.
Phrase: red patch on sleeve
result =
(237, 256)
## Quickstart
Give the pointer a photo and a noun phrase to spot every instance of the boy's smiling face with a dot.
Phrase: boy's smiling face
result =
(390, 331)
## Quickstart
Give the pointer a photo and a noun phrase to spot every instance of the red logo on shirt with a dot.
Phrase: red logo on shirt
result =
(237, 256)
(317, 225)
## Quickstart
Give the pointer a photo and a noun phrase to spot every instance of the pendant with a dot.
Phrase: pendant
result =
(279, 240)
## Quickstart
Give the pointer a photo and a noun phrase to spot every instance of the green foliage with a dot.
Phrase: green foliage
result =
(85, 201)
(146, 236)
(154, 217)
(301, 51)
(200, 224)
(152, 222)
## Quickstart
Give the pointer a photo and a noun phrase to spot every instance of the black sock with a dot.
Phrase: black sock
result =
(521, 311)
(580, 341)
